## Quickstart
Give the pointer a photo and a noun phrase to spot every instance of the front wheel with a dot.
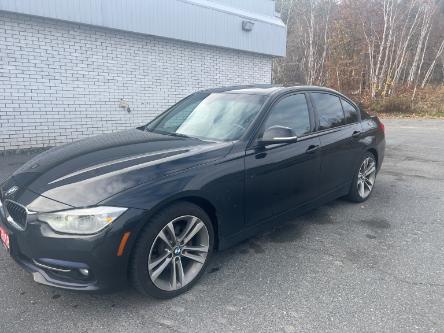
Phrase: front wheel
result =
(173, 251)
(364, 179)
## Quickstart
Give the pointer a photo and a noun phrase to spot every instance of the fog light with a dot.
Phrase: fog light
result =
(84, 271)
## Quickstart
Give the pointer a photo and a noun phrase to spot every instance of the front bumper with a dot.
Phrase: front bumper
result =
(61, 260)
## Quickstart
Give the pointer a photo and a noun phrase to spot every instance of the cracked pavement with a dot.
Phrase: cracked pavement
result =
(372, 267)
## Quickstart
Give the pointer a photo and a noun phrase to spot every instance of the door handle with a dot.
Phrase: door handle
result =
(356, 134)
(261, 155)
(312, 149)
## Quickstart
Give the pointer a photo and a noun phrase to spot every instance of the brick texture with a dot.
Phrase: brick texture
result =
(60, 82)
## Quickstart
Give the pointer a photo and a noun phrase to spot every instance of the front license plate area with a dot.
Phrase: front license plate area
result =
(4, 236)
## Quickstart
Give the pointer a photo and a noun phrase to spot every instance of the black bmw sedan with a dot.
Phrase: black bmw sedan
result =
(150, 205)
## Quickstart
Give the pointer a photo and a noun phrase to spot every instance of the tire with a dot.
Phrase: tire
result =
(179, 273)
(360, 189)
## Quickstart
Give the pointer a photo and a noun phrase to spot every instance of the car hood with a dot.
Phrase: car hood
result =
(89, 171)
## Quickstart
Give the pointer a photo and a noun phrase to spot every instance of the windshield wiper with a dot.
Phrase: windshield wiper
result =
(179, 135)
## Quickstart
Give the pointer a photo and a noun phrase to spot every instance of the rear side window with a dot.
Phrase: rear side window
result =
(291, 112)
(350, 112)
(329, 110)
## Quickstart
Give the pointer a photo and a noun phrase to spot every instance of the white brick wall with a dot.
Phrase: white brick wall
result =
(61, 81)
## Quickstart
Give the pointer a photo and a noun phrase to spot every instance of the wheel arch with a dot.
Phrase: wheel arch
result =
(209, 208)
(196, 199)
(375, 153)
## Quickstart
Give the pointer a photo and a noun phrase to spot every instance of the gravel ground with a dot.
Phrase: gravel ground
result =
(375, 267)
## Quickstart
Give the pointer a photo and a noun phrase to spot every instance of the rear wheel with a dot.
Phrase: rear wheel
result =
(364, 179)
(173, 251)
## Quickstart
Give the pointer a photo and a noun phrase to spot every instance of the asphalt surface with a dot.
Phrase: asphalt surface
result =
(373, 267)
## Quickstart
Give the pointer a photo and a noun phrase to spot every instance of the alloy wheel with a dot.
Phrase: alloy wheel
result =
(178, 253)
(366, 177)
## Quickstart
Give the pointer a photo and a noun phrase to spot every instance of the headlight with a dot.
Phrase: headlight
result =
(82, 221)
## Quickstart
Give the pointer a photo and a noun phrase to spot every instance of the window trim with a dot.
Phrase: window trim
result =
(316, 114)
(315, 110)
(357, 108)
(358, 111)
(260, 126)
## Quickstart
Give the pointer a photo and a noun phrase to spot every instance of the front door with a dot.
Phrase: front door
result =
(281, 177)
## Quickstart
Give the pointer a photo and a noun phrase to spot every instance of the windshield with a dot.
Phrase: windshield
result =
(214, 117)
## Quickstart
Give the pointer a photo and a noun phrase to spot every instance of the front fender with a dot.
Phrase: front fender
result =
(221, 185)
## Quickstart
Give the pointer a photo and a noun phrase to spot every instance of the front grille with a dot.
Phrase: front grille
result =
(16, 212)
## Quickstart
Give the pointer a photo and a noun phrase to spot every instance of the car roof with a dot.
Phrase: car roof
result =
(264, 89)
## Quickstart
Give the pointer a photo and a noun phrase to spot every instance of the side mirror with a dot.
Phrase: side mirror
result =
(276, 135)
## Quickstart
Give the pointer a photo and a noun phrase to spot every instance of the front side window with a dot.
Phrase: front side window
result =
(291, 112)
(214, 117)
(329, 110)
(350, 112)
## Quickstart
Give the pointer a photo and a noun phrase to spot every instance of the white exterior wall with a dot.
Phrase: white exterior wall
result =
(61, 81)
(216, 22)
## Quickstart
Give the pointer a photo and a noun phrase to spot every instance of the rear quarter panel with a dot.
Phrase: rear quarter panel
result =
(374, 138)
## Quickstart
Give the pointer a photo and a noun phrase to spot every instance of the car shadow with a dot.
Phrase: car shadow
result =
(288, 234)
(288, 231)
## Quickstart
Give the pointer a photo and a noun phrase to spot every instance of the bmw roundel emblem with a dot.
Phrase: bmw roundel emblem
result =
(11, 191)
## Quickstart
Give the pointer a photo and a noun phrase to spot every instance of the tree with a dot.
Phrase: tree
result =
(366, 47)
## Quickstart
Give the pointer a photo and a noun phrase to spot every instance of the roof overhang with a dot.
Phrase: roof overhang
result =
(198, 21)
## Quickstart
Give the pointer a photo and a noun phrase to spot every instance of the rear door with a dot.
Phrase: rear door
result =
(339, 134)
(281, 177)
